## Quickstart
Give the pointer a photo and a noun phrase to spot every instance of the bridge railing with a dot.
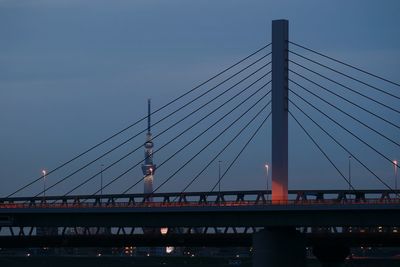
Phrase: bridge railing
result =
(225, 203)
(224, 198)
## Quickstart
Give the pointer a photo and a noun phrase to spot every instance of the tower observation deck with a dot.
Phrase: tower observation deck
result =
(148, 167)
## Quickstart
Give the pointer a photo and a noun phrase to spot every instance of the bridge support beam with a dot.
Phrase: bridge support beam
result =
(278, 247)
(280, 32)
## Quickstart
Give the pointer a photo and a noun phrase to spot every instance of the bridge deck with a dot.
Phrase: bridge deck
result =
(200, 215)
(206, 209)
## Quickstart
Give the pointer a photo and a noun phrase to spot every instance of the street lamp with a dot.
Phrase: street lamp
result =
(219, 176)
(267, 171)
(349, 173)
(101, 181)
(44, 184)
(395, 175)
(164, 230)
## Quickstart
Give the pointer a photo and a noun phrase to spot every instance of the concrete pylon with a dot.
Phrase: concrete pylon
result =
(279, 247)
(280, 32)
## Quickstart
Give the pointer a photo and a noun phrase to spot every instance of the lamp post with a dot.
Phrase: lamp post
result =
(151, 175)
(267, 171)
(349, 196)
(101, 181)
(349, 173)
(395, 175)
(219, 176)
(44, 184)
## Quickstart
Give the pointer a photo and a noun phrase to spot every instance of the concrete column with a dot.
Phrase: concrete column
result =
(280, 29)
(278, 247)
(332, 255)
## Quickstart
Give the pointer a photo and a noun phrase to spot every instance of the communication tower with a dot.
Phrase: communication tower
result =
(148, 167)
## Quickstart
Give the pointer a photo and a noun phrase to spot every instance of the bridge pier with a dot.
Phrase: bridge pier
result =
(332, 255)
(278, 247)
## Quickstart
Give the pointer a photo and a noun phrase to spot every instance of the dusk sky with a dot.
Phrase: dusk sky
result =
(73, 72)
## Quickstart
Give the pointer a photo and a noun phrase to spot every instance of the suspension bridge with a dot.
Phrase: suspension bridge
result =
(325, 98)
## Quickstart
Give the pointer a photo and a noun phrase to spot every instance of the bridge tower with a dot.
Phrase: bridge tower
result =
(279, 246)
(280, 32)
(148, 167)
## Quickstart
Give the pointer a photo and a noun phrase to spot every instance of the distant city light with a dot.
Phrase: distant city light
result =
(164, 230)
(169, 250)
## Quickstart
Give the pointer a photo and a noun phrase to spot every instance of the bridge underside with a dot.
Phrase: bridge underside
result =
(207, 216)
(222, 216)
(193, 240)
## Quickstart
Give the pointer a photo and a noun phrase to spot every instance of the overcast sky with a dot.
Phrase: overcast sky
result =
(74, 72)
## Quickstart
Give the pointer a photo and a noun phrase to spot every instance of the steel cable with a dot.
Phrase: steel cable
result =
(346, 64)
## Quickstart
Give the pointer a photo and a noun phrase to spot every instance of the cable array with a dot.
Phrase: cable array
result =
(346, 64)
(320, 148)
(195, 138)
(308, 66)
(240, 152)
(169, 128)
(239, 91)
(255, 66)
(231, 141)
(341, 97)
